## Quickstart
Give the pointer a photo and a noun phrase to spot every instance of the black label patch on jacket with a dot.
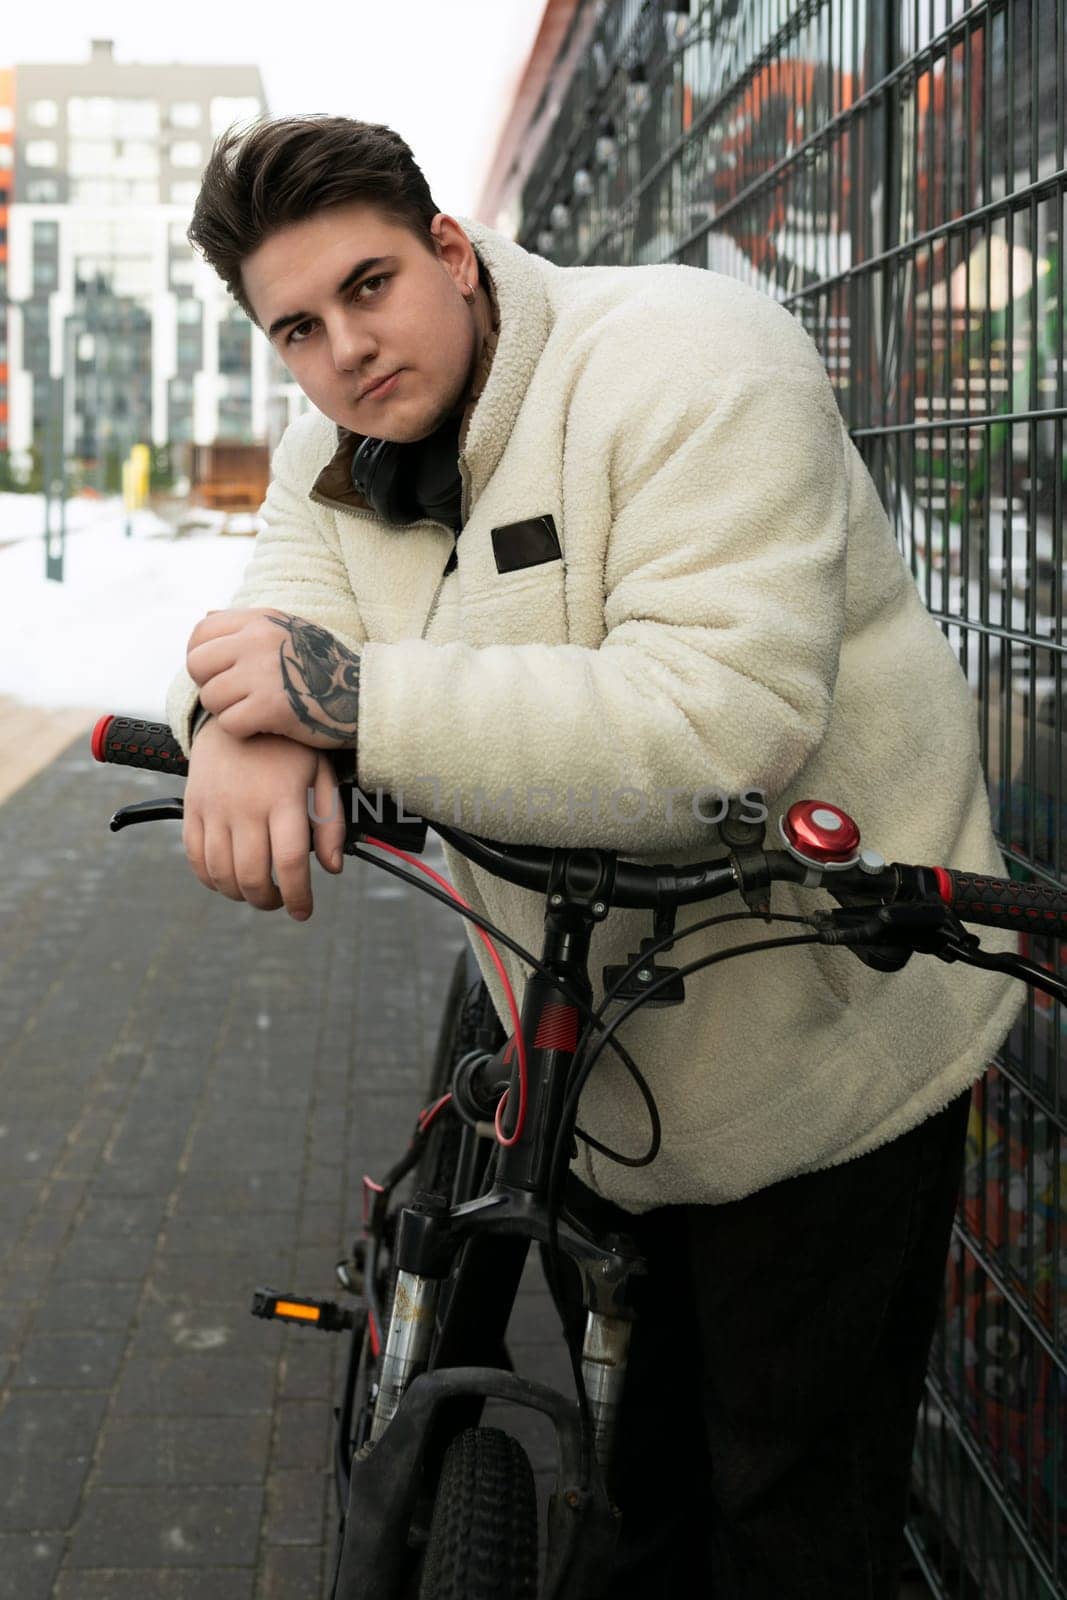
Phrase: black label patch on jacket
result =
(526, 544)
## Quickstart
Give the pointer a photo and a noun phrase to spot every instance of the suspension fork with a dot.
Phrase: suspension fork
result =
(490, 1268)
(421, 1270)
(595, 1295)
(605, 1351)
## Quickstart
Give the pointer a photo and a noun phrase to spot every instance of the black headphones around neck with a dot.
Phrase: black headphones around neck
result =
(379, 473)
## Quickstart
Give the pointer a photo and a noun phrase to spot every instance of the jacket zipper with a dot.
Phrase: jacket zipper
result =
(463, 503)
(433, 606)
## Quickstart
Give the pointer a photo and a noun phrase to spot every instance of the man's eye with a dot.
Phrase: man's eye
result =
(380, 277)
(295, 336)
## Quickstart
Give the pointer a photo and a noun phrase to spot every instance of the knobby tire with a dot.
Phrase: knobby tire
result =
(483, 1536)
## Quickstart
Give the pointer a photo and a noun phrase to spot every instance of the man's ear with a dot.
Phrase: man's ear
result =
(459, 238)
(435, 230)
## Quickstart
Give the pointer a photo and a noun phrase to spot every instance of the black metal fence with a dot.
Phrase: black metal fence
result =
(895, 174)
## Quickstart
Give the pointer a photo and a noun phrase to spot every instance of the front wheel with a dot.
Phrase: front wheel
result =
(483, 1536)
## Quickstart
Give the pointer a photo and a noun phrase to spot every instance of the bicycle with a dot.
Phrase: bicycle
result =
(435, 1277)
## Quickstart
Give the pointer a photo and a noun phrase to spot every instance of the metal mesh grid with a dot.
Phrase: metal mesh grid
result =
(895, 174)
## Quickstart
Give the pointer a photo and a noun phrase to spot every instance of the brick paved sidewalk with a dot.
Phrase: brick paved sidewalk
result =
(189, 1091)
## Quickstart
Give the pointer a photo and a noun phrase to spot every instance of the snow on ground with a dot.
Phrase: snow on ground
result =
(112, 635)
(22, 515)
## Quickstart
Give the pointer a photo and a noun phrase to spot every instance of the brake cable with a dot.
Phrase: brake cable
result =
(487, 926)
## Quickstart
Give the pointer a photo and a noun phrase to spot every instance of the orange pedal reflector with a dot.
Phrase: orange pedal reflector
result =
(291, 1308)
(325, 1315)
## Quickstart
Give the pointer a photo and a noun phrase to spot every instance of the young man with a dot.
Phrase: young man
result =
(564, 554)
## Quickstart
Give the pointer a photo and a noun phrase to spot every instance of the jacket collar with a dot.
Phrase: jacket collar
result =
(518, 296)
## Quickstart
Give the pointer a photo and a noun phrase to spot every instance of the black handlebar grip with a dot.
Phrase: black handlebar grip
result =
(999, 903)
(131, 742)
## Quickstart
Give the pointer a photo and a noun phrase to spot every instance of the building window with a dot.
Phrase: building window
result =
(44, 113)
(235, 348)
(137, 159)
(7, 158)
(42, 191)
(90, 156)
(184, 194)
(186, 114)
(227, 109)
(91, 277)
(136, 119)
(190, 347)
(7, 119)
(101, 115)
(186, 153)
(92, 237)
(133, 276)
(45, 253)
(41, 153)
(91, 114)
(114, 192)
(182, 271)
(92, 192)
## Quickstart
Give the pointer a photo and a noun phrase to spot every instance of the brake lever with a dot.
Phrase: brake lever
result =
(930, 929)
(388, 822)
(1018, 967)
(934, 930)
(147, 811)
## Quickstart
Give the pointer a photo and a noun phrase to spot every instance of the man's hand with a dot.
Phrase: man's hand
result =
(247, 804)
(262, 671)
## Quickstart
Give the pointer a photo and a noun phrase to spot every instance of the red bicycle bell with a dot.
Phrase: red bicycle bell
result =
(820, 835)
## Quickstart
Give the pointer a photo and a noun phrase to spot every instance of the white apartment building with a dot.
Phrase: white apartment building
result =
(102, 285)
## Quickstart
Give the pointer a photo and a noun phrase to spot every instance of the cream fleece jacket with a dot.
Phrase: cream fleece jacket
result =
(729, 612)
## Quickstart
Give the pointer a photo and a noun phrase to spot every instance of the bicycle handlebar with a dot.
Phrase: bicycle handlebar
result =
(992, 902)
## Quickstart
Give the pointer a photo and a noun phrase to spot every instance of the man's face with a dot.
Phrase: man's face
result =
(349, 297)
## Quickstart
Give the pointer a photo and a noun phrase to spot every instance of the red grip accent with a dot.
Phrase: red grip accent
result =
(1000, 903)
(944, 884)
(100, 728)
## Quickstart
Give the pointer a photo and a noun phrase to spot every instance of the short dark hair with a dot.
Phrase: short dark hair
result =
(262, 178)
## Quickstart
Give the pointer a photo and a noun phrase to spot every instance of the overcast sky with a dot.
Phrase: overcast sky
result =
(442, 72)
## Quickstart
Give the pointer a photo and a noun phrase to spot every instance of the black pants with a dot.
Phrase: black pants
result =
(775, 1374)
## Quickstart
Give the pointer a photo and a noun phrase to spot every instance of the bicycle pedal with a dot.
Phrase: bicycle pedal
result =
(326, 1315)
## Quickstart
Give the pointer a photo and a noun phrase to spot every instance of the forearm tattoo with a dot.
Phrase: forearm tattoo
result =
(320, 676)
